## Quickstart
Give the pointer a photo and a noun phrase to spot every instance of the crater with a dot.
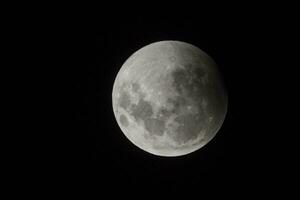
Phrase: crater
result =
(172, 58)
(124, 120)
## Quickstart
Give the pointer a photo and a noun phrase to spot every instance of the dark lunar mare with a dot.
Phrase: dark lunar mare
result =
(187, 82)
(143, 111)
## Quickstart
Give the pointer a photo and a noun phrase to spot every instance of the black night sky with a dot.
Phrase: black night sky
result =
(236, 157)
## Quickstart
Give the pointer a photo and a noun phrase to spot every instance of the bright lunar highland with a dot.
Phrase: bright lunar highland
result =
(169, 98)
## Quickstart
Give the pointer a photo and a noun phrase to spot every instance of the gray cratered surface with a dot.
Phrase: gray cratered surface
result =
(169, 98)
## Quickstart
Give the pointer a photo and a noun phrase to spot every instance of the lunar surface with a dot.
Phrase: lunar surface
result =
(169, 98)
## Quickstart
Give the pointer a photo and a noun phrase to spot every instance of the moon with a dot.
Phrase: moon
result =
(169, 98)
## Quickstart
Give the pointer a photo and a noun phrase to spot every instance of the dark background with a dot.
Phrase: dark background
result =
(241, 156)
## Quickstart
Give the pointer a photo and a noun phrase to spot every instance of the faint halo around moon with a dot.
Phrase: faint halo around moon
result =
(169, 98)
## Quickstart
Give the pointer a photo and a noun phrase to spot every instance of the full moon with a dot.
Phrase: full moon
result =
(169, 98)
